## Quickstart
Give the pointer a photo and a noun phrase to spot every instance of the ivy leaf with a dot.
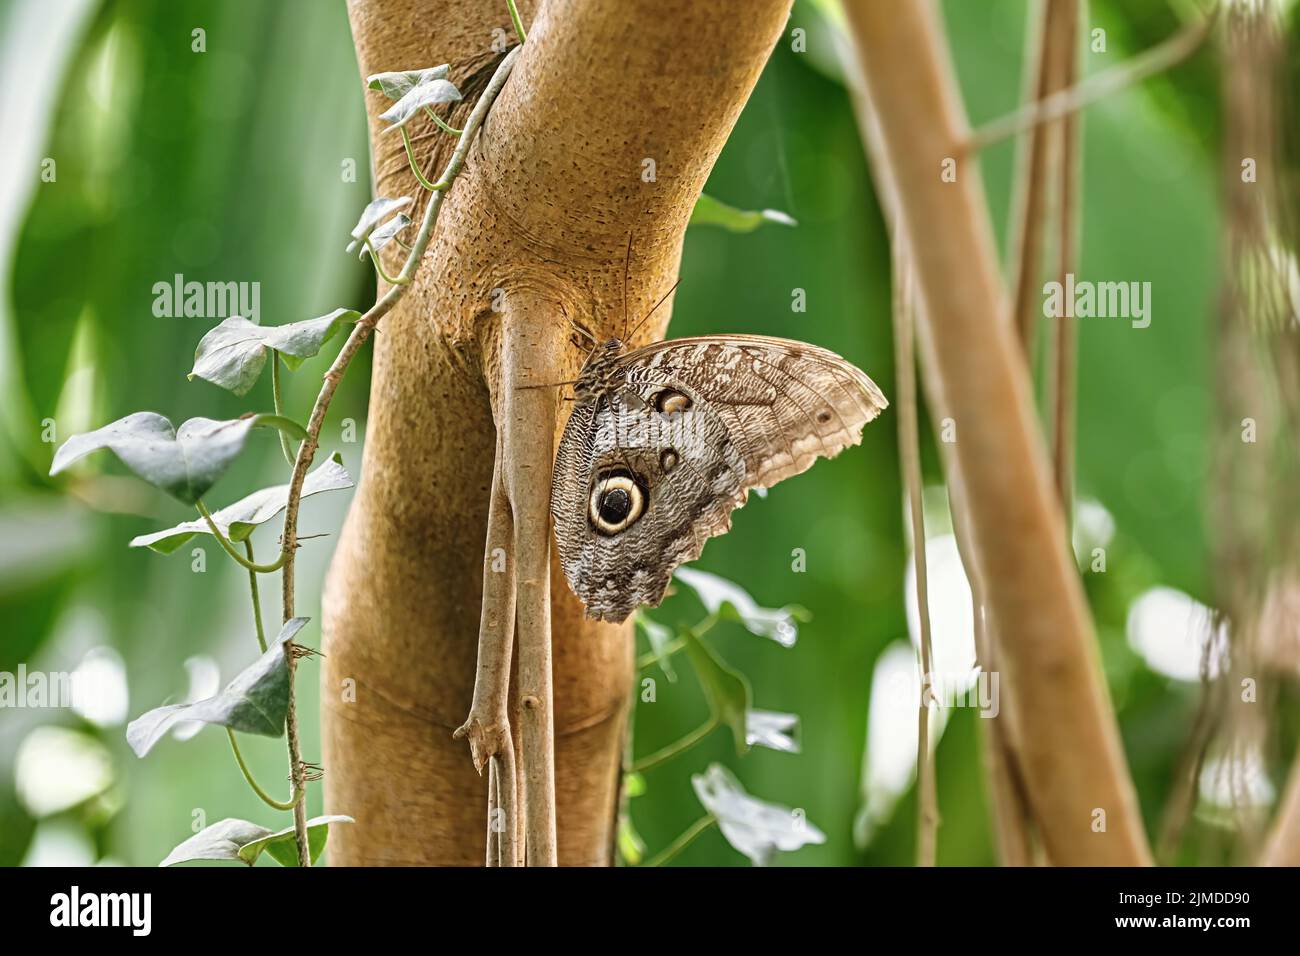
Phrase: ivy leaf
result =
(255, 702)
(429, 91)
(727, 691)
(283, 846)
(387, 232)
(396, 85)
(221, 841)
(713, 212)
(233, 354)
(372, 216)
(659, 637)
(767, 728)
(243, 842)
(755, 827)
(238, 520)
(730, 601)
(184, 462)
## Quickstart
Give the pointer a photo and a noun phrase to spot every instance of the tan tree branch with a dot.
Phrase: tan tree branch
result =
(553, 186)
(976, 376)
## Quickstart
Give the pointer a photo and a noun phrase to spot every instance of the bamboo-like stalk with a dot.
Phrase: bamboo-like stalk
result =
(975, 375)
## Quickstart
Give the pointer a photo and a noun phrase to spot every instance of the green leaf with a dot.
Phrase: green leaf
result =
(727, 691)
(221, 841)
(396, 85)
(755, 827)
(284, 848)
(376, 212)
(429, 91)
(233, 354)
(255, 702)
(634, 785)
(732, 602)
(184, 462)
(712, 212)
(238, 520)
(243, 842)
(630, 845)
(659, 638)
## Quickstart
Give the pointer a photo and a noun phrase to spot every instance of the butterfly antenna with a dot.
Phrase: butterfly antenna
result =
(627, 267)
(656, 306)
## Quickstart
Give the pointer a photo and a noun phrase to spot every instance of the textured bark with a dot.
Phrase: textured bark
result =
(543, 210)
(1067, 742)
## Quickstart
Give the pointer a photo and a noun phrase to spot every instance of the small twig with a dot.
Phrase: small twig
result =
(256, 593)
(676, 747)
(278, 401)
(487, 728)
(230, 548)
(415, 166)
(441, 123)
(1029, 204)
(683, 841)
(909, 451)
(514, 18)
(1065, 340)
(248, 776)
(1147, 64)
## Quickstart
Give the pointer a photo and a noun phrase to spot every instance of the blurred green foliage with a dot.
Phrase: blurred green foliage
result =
(232, 164)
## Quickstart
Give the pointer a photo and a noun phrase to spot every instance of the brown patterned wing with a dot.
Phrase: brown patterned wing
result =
(644, 476)
(637, 490)
(785, 403)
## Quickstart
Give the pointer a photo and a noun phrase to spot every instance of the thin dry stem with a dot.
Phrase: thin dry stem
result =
(909, 453)
(1147, 64)
(532, 344)
(1065, 27)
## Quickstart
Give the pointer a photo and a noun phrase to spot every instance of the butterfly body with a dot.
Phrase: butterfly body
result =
(665, 441)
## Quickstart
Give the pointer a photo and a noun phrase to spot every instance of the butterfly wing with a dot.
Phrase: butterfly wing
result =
(680, 475)
(697, 423)
(785, 403)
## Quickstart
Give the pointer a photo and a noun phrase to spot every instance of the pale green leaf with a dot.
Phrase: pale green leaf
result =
(184, 462)
(727, 691)
(397, 84)
(283, 846)
(234, 353)
(237, 521)
(255, 702)
(712, 212)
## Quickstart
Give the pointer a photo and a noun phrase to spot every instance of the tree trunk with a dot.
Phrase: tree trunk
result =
(606, 130)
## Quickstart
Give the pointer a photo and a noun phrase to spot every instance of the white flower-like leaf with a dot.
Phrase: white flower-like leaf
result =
(756, 828)
(726, 599)
(373, 216)
(767, 728)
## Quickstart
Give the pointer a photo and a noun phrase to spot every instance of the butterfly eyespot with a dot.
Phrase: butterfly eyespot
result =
(671, 402)
(668, 460)
(823, 416)
(616, 502)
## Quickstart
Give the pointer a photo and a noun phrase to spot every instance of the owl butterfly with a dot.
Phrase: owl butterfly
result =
(665, 441)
